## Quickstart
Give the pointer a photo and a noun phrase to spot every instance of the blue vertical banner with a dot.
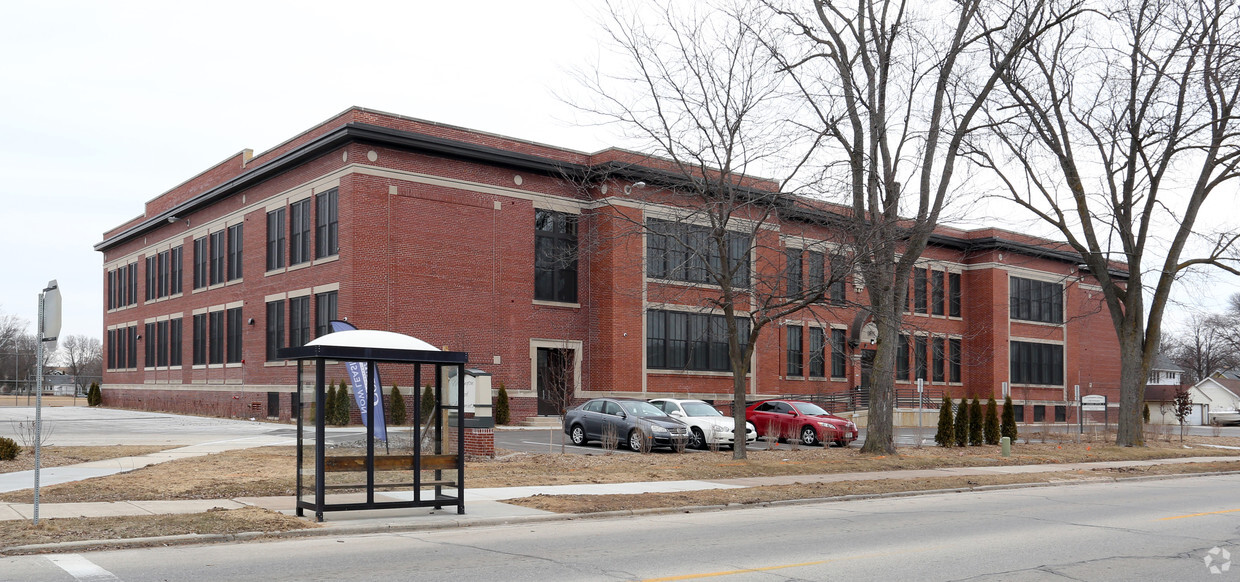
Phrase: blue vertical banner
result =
(362, 376)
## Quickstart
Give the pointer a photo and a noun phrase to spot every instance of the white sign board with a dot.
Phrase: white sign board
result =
(1094, 403)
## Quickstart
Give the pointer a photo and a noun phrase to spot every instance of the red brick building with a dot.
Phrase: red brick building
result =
(430, 230)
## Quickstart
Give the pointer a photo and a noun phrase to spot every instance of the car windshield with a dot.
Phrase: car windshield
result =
(700, 409)
(642, 409)
(811, 409)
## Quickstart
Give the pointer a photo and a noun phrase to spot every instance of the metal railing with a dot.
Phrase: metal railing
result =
(860, 399)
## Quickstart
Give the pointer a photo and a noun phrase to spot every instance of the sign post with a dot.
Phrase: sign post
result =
(49, 329)
(1095, 403)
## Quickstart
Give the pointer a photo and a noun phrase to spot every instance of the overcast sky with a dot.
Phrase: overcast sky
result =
(106, 105)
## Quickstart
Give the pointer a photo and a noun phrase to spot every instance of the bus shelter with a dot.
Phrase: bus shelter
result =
(339, 472)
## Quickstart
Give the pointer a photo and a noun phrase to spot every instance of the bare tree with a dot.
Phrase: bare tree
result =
(17, 350)
(898, 87)
(1116, 132)
(83, 356)
(699, 90)
(1203, 347)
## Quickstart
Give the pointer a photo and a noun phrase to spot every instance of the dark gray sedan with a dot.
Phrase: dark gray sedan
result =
(627, 420)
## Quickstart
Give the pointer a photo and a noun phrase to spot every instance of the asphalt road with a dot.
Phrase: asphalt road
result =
(1133, 530)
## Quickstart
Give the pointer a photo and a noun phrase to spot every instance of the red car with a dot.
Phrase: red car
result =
(804, 421)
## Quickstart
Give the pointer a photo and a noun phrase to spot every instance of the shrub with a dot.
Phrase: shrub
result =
(1007, 428)
(8, 449)
(329, 404)
(343, 398)
(946, 435)
(94, 396)
(396, 413)
(962, 423)
(428, 401)
(1145, 413)
(991, 427)
(975, 422)
(501, 405)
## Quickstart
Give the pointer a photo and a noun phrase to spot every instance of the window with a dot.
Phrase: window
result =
(151, 279)
(200, 262)
(936, 293)
(275, 328)
(902, 362)
(555, 256)
(817, 352)
(681, 252)
(217, 257)
(132, 288)
(1061, 414)
(1019, 411)
(793, 270)
(1038, 364)
(816, 270)
(200, 339)
(174, 270)
(838, 273)
(236, 244)
(111, 293)
(837, 354)
(324, 312)
(174, 341)
(275, 239)
(163, 273)
(1039, 412)
(326, 224)
(953, 352)
(919, 291)
(794, 351)
(148, 346)
(953, 294)
(233, 353)
(299, 232)
(938, 372)
(298, 321)
(919, 357)
(111, 355)
(161, 351)
(677, 341)
(1039, 301)
(215, 338)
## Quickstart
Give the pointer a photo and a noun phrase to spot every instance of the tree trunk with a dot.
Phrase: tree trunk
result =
(879, 435)
(1134, 370)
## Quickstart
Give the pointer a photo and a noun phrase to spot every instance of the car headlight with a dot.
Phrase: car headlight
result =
(656, 429)
(828, 425)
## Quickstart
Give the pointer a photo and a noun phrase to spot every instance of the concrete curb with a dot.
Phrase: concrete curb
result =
(363, 529)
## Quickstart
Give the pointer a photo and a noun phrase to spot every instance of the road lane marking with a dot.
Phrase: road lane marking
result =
(82, 569)
(1200, 514)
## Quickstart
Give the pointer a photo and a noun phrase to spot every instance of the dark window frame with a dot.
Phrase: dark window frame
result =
(234, 336)
(839, 368)
(176, 328)
(1036, 364)
(794, 282)
(299, 248)
(817, 352)
(555, 256)
(326, 224)
(1034, 300)
(200, 340)
(953, 294)
(275, 328)
(795, 351)
(201, 262)
(668, 341)
(236, 251)
(936, 292)
(215, 337)
(275, 239)
(299, 321)
(218, 251)
(325, 309)
(670, 255)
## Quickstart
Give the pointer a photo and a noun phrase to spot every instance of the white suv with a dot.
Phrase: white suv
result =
(707, 426)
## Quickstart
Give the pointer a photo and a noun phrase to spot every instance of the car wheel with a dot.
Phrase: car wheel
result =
(635, 440)
(578, 435)
(808, 437)
(696, 439)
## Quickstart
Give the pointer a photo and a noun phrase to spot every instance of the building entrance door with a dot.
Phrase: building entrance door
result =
(555, 381)
(861, 397)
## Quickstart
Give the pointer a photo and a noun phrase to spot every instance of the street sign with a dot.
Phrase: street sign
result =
(1094, 403)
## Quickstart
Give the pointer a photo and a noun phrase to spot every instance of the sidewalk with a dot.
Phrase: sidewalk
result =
(484, 505)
